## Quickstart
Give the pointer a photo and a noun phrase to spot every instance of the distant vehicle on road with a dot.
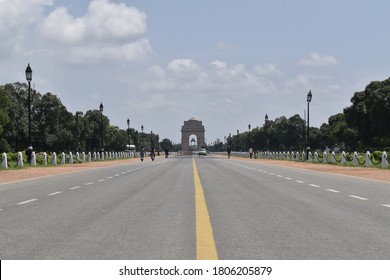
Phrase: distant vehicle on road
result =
(202, 152)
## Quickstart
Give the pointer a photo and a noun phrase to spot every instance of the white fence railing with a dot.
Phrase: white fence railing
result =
(329, 158)
(65, 158)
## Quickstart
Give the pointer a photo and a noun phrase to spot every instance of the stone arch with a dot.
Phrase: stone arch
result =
(190, 128)
(193, 141)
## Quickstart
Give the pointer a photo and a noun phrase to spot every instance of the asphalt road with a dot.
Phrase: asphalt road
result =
(150, 211)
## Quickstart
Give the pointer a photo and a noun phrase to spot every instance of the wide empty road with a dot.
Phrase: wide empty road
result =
(195, 208)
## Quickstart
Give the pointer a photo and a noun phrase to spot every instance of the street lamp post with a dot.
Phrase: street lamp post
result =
(29, 78)
(101, 126)
(128, 133)
(309, 97)
(249, 137)
(266, 132)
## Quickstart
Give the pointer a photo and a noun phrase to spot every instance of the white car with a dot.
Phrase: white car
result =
(202, 152)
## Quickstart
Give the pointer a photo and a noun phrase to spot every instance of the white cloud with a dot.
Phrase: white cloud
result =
(110, 20)
(16, 18)
(62, 27)
(217, 78)
(103, 21)
(17, 14)
(315, 59)
(218, 64)
(128, 52)
(107, 31)
(182, 65)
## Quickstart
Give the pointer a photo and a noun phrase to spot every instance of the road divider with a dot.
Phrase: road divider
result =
(205, 244)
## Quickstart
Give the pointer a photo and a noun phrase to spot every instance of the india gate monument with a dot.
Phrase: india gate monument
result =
(192, 136)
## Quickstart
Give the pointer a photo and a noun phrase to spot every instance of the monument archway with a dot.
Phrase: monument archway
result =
(192, 128)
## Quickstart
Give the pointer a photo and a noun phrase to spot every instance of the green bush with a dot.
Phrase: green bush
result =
(377, 155)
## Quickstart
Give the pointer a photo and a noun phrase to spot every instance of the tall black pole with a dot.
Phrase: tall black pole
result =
(309, 97)
(29, 114)
(308, 125)
(128, 131)
(101, 126)
(266, 132)
(29, 78)
(249, 137)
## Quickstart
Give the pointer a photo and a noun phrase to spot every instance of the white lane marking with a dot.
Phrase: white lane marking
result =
(280, 176)
(101, 180)
(27, 201)
(331, 190)
(54, 193)
(90, 183)
(75, 188)
(300, 182)
(116, 175)
(123, 172)
(287, 178)
(314, 185)
(1, 210)
(110, 177)
(357, 197)
(271, 174)
(386, 205)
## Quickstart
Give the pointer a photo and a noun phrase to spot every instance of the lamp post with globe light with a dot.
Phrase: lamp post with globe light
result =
(29, 78)
(309, 97)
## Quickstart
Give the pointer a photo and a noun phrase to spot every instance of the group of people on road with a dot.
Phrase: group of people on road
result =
(229, 151)
(152, 153)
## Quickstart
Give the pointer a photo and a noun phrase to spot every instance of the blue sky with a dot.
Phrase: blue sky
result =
(227, 63)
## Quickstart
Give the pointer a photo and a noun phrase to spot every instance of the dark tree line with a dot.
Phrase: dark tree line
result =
(54, 128)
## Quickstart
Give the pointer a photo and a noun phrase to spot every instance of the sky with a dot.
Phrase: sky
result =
(225, 63)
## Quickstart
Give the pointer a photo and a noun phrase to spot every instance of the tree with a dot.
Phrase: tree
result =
(325, 138)
(54, 124)
(116, 139)
(166, 144)
(92, 130)
(369, 114)
(16, 130)
(4, 119)
(337, 127)
(295, 133)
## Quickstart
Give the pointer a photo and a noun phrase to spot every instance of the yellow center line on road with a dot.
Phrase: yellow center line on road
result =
(205, 245)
